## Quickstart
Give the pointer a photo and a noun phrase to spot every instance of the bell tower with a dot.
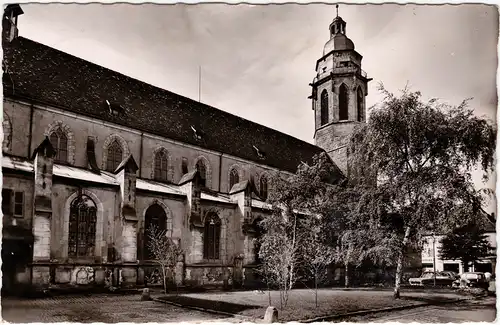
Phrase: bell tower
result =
(338, 94)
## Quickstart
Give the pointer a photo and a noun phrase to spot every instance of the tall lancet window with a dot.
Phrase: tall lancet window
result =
(60, 143)
(82, 227)
(343, 103)
(361, 106)
(234, 178)
(324, 107)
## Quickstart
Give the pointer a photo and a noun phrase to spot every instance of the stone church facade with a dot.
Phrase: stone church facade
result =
(93, 158)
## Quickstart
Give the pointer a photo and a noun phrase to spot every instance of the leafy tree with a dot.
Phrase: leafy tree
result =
(423, 154)
(467, 244)
(165, 252)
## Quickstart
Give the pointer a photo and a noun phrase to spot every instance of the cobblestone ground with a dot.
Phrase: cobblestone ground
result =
(470, 311)
(99, 308)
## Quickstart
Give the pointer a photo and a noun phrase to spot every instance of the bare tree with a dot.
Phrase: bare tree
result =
(165, 252)
(318, 257)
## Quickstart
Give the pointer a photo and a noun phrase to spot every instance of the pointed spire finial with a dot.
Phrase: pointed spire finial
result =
(337, 6)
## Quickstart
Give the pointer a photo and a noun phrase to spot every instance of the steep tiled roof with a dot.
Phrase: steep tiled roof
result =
(49, 76)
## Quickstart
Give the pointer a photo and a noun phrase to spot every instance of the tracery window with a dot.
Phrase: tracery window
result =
(211, 239)
(161, 165)
(263, 187)
(157, 218)
(202, 170)
(234, 178)
(59, 141)
(115, 156)
(324, 107)
(361, 106)
(343, 103)
(82, 227)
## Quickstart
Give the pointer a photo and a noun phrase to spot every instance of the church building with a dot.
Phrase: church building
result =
(92, 159)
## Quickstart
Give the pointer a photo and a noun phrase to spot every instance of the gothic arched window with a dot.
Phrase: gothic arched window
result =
(60, 143)
(202, 169)
(343, 103)
(263, 187)
(82, 227)
(115, 156)
(211, 239)
(361, 106)
(234, 178)
(161, 165)
(324, 107)
(155, 218)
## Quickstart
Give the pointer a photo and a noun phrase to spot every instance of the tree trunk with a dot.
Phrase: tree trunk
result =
(164, 279)
(316, 288)
(346, 276)
(399, 268)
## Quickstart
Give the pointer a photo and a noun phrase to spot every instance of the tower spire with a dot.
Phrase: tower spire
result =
(337, 7)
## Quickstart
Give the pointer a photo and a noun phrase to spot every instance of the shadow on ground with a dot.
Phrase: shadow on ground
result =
(220, 306)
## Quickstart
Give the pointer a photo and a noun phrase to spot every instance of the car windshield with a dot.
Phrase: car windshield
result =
(427, 275)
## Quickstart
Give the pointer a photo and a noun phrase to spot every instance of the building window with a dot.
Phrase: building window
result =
(82, 227)
(18, 204)
(115, 156)
(234, 178)
(263, 187)
(59, 141)
(161, 165)
(211, 240)
(201, 168)
(361, 106)
(343, 103)
(184, 166)
(324, 107)
(12, 203)
(155, 218)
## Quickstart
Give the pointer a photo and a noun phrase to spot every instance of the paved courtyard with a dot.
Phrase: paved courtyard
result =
(469, 311)
(98, 308)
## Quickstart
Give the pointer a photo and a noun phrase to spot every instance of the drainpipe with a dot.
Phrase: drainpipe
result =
(30, 132)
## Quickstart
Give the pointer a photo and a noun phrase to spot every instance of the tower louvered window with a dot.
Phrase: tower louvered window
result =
(82, 227)
(324, 107)
(361, 106)
(343, 103)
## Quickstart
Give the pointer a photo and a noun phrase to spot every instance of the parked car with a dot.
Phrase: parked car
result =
(427, 278)
(472, 279)
(451, 274)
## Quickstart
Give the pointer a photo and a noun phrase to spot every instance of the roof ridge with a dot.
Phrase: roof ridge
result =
(173, 94)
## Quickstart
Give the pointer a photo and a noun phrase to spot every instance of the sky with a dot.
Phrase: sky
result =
(257, 60)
